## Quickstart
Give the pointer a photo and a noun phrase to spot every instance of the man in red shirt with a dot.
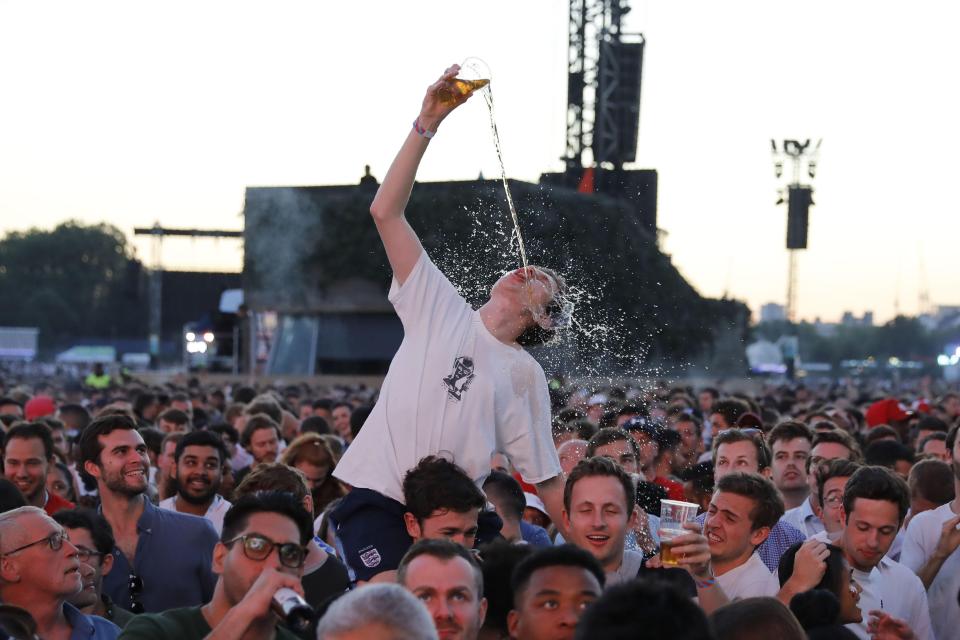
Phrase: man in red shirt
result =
(26, 459)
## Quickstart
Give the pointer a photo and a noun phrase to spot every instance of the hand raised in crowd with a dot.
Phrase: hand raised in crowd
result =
(949, 538)
(883, 626)
(442, 97)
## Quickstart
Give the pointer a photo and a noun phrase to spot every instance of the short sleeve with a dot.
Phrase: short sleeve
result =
(526, 436)
(913, 556)
(425, 293)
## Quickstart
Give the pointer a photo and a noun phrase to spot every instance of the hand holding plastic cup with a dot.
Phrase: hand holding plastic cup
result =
(673, 514)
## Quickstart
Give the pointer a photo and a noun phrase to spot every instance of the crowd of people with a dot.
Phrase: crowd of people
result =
(467, 498)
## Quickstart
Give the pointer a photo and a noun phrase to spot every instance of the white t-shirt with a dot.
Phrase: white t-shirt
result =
(452, 389)
(893, 588)
(804, 519)
(215, 512)
(919, 543)
(752, 579)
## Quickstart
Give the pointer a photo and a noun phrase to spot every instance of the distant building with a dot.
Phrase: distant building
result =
(772, 312)
(850, 320)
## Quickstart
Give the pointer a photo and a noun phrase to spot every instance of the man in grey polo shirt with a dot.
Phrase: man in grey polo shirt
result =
(162, 559)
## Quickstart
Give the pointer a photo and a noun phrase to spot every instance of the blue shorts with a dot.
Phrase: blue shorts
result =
(374, 536)
(371, 529)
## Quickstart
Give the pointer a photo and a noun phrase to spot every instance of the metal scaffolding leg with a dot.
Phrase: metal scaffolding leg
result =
(792, 287)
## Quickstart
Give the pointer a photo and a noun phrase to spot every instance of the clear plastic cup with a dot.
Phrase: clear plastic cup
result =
(673, 515)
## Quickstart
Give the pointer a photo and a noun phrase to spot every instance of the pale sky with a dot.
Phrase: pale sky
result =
(132, 112)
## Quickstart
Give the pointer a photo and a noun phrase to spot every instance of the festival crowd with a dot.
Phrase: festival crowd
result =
(468, 498)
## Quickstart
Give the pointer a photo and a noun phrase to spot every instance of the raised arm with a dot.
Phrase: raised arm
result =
(401, 243)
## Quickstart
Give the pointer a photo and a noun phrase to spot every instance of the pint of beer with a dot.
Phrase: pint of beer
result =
(460, 88)
(673, 514)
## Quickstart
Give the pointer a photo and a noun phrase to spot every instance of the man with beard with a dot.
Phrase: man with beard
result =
(930, 550)
(26, 459)
(446, 578)
(39, 570)
(198, 472)
(162, 558)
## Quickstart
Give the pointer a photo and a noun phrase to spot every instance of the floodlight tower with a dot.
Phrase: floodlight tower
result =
(798, 197)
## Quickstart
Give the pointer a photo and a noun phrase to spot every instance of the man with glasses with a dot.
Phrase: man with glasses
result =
(39, 571)
(92, 537)
(162, 558)
(261, 550)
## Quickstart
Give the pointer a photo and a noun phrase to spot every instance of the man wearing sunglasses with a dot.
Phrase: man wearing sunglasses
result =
(261, 550)
(39, 571)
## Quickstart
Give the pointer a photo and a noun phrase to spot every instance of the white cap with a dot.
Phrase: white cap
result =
(534, 501)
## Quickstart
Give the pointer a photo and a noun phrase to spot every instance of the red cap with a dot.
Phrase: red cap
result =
(39, 407)
(886, 411)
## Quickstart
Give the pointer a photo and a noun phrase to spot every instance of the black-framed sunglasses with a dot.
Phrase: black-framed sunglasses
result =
(55, 540)
(258, 547)
(135, 586)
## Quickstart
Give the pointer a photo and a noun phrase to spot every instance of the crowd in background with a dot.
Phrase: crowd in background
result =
(826, 511)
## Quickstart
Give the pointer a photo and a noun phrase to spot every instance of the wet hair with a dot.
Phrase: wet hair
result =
(100, 530)
(600, 466)
(282, 503)
(441, 549)
(435, 484)
(33, 430)
(756, 619)
(877, 483)
(535, 335)
(932, 480)
(643, 610)
(836, 468)
(506, 490)
(566, 555)
(201, 439)
(90, 447)
(768, 504)
(603, 437)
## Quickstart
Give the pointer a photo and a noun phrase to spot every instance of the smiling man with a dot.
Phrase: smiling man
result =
(162, 558)
(198, 473)
(39, 571)
(27, 457)
(447, 580)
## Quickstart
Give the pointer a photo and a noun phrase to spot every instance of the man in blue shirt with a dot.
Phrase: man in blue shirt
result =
(39, 570)
(162, 559)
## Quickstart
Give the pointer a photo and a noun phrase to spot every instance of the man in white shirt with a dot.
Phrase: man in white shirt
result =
(743, 509)
(829, 445)
(875, 502)
(198, 472)
(461, 382)
(930, 550)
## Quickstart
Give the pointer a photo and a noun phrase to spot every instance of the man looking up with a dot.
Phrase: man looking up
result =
(92, 537)
(446, 578)
(551, 589)
(162, 558)
(39, 571)
(27, 457)
(261, 550)
(744, 451)
(198, 473)
(445, 390)
(875, 502)
(930, 550)
(790, 443)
